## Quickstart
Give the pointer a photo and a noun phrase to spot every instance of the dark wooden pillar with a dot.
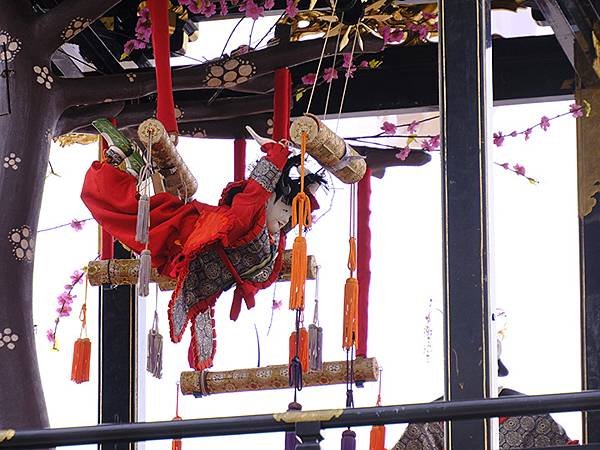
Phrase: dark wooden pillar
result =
(118, 354)
(465, 93)
(588, 162)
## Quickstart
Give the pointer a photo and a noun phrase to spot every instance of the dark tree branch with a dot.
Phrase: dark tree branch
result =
(134, 114)
(56, 26)
(97, 89)
(80, 116)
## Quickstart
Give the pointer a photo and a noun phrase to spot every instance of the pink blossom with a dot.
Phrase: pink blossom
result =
(276, 304)
(513, 134)
(253, 10)
(420, 29)
(350, 72)
(50, 336)
(435, 142)
(209, 9)
(268, 4)
(426, 145)
(330, 74)
(544, 123)
(76, 277)
(223, 10)
(519, 169)
(527, 133)
(64, 311)
(65, 298)
(364, 64)
(291, 9)
(347, 60)
(505, 166)
(403, 154)
(390, 36)
(576, 110)
(309, 79)
(388, 128)
(429, 16)
(498, 139)
(77, 225)
(412, 128)
(144, 14)
(128, 47)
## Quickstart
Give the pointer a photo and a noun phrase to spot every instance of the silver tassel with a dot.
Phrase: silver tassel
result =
(144, 274)
(315, 347)
(155, 350)
(143, 220)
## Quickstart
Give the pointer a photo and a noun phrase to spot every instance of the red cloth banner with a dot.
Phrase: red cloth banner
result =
(165, 108)
(239, 159)
(363, 272)
(282, 104)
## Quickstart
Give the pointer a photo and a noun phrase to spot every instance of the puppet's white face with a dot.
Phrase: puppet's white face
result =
(278, 214)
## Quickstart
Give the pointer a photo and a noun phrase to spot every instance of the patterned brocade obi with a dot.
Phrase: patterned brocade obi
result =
(208, 275)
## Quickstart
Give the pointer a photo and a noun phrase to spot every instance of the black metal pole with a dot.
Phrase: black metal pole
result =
(117, 387)
(465, 98)
(266, 423)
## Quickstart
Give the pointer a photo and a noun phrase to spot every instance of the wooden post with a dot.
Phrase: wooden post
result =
(465, 96)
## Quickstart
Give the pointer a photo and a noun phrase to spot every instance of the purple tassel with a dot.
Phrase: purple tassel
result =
(291, 440)
(144, 273)
(155, 350)
(143, 220)
(348, 440)
(315, 347)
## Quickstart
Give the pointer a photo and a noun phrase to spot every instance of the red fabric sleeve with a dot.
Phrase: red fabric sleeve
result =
(111, 196)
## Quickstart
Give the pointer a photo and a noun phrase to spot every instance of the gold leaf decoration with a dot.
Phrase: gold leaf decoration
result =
(76, 138)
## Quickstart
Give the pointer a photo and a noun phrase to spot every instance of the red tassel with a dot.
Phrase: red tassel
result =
(302, 348)
(377, 438)
(80, 369)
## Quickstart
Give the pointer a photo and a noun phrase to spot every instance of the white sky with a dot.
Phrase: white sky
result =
(536, 279)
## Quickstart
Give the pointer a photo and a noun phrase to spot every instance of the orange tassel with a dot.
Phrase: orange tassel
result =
(302, 348)
(80, 370)
(301, 217)
(298, 273)
(82, 350)
(176, 443)
(377, 441)
(350, 326)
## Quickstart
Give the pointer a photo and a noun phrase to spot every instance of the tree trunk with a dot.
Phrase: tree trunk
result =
(23, 160)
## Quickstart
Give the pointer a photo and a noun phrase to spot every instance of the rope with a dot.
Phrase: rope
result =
(83, 312)
(312, 91)
(346, 82)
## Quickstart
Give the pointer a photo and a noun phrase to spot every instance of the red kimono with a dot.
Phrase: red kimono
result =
(207, 248)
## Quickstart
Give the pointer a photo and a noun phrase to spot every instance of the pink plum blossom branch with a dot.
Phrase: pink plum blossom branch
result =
(65, 300)
(77, 225)
(519, 170)
(575, 110)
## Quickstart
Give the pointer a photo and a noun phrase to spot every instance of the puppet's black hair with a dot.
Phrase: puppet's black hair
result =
(287, 187)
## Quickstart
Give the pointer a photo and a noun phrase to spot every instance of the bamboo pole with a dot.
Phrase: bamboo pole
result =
(118, 272)
(273, 377)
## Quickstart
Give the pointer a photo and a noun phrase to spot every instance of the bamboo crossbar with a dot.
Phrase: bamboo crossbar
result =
(118, 272)
(273, 377)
